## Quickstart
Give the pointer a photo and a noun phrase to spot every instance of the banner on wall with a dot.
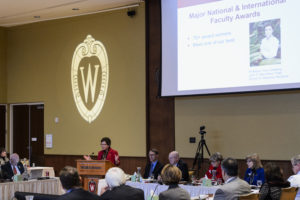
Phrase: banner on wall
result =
(89, 77)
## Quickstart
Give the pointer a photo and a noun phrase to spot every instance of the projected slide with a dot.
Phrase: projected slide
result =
(232, 46)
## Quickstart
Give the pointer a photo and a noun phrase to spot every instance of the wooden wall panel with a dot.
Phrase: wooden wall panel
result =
(160, 111)
(128, 164)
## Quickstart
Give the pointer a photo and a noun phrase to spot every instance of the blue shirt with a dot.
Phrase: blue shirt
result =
(252, 178)
(153, 164)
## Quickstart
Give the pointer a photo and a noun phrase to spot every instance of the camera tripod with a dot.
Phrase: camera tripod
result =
(199, 156)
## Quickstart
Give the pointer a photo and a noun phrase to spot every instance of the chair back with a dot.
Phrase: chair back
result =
(250, 196)
(37, 196)
(288, 193)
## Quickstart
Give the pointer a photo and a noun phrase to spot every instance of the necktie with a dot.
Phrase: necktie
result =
(15, 170)
(151, 169)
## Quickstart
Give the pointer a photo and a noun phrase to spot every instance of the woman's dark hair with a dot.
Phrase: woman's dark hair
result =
(2, 149)
(106, 140)
(273, 173)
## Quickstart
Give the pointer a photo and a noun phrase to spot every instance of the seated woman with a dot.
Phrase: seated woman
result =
(274, 182)
(171, 175)
(3, 157)
(214, 171)
(255, 170)
(107, 153)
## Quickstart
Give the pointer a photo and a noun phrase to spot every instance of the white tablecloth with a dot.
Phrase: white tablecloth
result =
(49, 186)
(192, 190)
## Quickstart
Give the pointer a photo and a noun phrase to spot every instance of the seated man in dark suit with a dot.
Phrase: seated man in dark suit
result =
(70, 181)
(233, 186)
(13, 167)
(154, 167)
(116, 190)
(176, 161)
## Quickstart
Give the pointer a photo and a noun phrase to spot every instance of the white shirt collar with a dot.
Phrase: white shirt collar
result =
(17, 168)
(230, 179)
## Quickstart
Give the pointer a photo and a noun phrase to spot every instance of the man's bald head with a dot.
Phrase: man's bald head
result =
(173, 157)
(14, 159)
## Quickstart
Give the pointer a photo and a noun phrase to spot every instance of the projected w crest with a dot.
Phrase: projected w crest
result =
(90, 83)
(89, 76)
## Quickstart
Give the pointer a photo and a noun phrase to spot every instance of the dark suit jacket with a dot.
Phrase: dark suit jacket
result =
(123, 192)
(157, 169)
(7, 172)
(184, 170)
(79, 194)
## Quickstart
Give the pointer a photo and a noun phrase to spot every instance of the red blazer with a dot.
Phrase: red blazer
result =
(218, 175)
(110, 155)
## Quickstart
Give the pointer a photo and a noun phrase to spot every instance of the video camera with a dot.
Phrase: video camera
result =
(202, 131)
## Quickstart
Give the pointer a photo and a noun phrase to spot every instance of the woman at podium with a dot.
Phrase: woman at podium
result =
(107, 153)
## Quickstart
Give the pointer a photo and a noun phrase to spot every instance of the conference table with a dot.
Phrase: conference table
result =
(194, 191)
(48, 186)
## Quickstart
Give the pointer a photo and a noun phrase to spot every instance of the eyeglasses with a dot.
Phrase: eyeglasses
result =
(103, 144)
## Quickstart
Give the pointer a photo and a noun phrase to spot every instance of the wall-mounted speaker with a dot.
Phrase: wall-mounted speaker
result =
(131, 13)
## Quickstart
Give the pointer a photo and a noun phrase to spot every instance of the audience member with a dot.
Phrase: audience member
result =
(3, 159)
(271, 189)
(13, 167)
(215, 171)
(234, 186)
(295, 179)
(3, 156)
(255, 171)
(70, 181)
(107, 153)
(115, 179)
(153, 167)
(176, 161)
(171, 175)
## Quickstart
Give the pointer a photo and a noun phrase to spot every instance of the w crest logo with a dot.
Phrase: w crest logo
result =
(89, 82)
(89, 77)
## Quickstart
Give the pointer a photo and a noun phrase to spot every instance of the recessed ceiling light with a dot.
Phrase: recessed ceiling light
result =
(37, 17)
(75, 8)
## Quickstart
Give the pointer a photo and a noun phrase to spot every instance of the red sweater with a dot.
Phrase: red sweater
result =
(110, 156)
(218, 174)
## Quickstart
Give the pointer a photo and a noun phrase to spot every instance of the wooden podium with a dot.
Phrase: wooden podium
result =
(91, 171)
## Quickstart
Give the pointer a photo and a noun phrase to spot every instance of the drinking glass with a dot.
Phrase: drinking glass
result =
(219, 181)
(152, 176)
(259, 183)
(193, 178)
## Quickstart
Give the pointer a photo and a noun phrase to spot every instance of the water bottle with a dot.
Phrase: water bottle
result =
(214, 173)
(138, 174)
(133, 177)
(25, 174)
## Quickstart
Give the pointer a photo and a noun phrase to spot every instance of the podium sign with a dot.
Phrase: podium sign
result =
(91, 171)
